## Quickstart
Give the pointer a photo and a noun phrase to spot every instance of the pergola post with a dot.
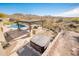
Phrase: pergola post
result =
(30, 26)
(18, 25)
(42, 24)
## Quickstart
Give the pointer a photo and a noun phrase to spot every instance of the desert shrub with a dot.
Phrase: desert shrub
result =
(7, 23)
(2, 15)
(71, 19)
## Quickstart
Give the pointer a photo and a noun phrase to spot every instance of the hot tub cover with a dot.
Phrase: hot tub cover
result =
(41, 40)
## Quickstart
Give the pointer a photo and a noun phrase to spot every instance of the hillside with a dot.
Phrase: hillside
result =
(51, 22)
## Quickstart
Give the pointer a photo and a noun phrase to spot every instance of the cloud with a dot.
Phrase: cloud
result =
(71, 13)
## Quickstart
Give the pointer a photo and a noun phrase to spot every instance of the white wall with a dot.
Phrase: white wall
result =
(1, 34)
(2, 39)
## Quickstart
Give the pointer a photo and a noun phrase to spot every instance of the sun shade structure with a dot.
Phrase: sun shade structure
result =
(30, 22)
(40, 42)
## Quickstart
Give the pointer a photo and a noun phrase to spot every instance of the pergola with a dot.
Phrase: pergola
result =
(29, 22)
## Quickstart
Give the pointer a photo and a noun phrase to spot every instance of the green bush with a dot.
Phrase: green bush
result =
(72, 19)
(7, 23)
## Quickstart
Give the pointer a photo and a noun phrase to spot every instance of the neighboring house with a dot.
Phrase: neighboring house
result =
(12, 19)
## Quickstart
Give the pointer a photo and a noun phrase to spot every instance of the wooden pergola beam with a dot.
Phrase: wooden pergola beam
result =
(29, 22)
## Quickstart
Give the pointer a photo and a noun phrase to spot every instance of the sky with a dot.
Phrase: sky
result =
(53, 9)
